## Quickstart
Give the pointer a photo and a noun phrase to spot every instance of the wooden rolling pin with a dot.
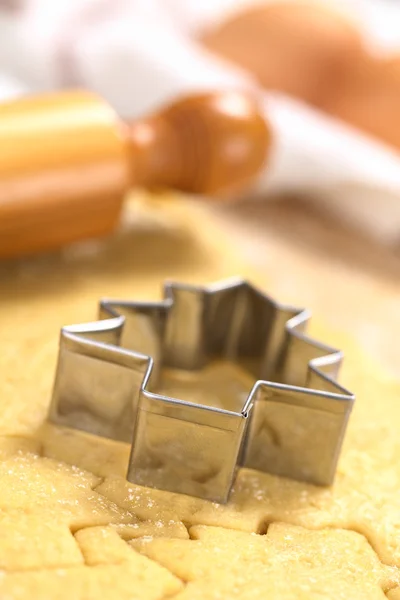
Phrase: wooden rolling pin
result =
(67, 162)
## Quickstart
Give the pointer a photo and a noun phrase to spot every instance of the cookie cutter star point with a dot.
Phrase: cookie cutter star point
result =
(290, 422)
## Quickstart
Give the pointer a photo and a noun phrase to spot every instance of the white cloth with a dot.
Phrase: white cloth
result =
(139, 54)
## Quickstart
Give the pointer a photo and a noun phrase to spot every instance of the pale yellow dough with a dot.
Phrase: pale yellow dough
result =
(72, 527)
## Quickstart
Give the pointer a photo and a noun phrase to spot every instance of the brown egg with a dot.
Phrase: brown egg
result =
(300, 48)
(369, 98)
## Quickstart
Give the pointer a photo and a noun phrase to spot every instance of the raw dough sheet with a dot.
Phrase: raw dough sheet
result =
(72, 527)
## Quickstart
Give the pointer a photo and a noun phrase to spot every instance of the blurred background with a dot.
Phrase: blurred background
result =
(322, 215)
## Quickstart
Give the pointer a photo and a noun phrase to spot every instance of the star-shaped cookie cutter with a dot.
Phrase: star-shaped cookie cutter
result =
(290, 422)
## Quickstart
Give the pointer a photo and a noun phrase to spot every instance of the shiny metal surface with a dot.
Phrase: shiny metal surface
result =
(112, 376)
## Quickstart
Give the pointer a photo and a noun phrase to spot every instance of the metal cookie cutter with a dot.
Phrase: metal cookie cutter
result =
(111, 375)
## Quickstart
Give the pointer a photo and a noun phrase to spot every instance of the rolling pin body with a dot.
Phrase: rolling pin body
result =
(63, 171)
